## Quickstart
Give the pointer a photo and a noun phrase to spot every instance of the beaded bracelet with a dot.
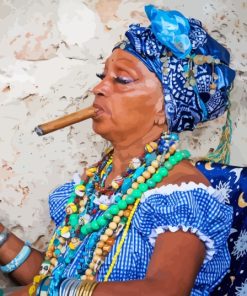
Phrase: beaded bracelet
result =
(4, 236)
(18, 260)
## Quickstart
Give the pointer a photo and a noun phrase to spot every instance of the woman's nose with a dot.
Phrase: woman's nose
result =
(102, 89)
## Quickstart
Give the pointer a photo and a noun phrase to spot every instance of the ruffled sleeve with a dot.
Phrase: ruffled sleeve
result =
(190, 207)
(58, 200)
(59, 197)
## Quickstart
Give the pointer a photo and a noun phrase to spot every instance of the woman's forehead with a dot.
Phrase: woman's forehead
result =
(124, 58)
(121, 55)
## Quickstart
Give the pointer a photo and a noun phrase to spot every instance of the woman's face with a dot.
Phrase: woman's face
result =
(128, 97)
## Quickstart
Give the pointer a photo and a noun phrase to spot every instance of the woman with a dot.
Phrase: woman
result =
(142, 221)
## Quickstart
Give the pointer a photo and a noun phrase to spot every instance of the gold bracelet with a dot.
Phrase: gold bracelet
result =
(86, 288)
(82, 288)
(89, 291)
(93, 286)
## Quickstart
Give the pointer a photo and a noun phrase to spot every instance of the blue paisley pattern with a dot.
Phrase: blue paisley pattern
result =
(185, 105)
(231, 182)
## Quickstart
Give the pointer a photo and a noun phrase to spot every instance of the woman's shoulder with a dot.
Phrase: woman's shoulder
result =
(184, 172)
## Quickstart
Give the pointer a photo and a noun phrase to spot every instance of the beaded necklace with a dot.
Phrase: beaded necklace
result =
(97, 217)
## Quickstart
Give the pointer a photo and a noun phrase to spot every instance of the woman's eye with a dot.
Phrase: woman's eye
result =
(123, 80)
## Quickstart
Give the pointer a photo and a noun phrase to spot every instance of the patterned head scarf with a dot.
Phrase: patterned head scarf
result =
(192, 67)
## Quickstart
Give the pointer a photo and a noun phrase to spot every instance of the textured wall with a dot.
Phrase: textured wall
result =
(50, 51)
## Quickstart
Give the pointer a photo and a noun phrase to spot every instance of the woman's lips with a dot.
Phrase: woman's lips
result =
(100, 110)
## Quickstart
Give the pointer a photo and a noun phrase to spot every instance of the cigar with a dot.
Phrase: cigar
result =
(64, 121)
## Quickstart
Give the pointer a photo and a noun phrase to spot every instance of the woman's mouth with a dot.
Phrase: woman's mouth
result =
(100, 111)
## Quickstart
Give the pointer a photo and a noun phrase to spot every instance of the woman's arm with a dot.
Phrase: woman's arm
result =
(175, 263)
(8, 251)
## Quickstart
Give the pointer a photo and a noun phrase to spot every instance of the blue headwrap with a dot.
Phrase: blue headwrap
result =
(192, 67)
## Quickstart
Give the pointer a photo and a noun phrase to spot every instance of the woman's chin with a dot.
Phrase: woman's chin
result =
(102, 128)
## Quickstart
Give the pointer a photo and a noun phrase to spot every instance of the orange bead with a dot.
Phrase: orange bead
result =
(110, 241)
(100, 244)
(130, 207)
(52, 248)
(126, 213)
(90, 278)
(107, 248)
(49, 254)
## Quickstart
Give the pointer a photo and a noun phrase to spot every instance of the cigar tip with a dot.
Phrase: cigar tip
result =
(39, 131)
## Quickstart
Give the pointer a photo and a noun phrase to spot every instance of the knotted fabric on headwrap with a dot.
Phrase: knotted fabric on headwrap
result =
(192, 67)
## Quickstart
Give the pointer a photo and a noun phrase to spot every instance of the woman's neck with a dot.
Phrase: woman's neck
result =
(125, 151)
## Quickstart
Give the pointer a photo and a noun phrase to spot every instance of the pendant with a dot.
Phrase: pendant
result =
(104, 199)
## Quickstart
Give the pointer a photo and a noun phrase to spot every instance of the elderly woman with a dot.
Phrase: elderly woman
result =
(143, 220)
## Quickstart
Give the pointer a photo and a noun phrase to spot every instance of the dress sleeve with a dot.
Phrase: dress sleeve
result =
(189, 207)
(58, 200)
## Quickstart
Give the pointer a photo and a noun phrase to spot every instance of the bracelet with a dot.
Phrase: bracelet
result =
(74, 287)
(86, 288)
(18, 260)
(4, 236)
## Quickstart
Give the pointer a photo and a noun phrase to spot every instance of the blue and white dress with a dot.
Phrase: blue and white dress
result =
(189, 207)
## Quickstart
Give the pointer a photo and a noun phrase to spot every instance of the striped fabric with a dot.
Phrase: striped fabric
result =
(189, 207)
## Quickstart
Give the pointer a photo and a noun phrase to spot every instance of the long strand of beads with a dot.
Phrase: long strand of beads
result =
(131, 198)
(72, 231)
(119, 247)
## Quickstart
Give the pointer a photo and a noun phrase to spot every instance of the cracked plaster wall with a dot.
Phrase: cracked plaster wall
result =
(49, 54)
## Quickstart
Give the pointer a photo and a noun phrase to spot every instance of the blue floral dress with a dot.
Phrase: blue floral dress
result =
(190, 207)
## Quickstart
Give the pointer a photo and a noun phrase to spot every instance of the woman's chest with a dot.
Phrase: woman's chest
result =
(127, 260)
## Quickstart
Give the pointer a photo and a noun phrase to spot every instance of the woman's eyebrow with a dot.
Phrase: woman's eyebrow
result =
(121, 65)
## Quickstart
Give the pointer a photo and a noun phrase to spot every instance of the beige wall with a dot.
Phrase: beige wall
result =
(49, 54)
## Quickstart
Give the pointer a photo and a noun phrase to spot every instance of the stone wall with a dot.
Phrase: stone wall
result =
(50, 51)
